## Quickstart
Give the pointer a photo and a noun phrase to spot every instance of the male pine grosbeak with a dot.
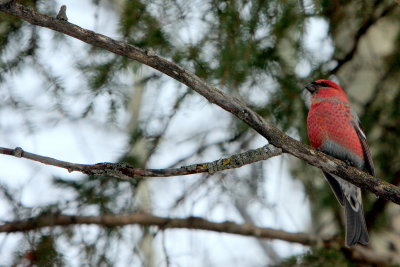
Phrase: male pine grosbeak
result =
(334, 129)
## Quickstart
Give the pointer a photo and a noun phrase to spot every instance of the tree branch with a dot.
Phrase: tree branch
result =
(112, 220)
(379, 206)
(212, 94)
(125, 171)
(359, 34)
(358, 253)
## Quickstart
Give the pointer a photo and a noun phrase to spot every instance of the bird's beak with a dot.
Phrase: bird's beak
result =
(312, 88)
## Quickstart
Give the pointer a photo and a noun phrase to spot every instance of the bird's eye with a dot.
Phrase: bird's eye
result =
(323, 84)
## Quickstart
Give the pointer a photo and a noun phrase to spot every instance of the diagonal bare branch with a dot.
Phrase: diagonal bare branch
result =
(212, 94)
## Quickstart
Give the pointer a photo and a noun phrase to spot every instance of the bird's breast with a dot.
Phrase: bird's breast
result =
(330, 128)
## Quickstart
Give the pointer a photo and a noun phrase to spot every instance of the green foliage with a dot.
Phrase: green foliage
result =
(9, 27)
(43, 253)
(102, 193)
(142, 28)
(317, 258)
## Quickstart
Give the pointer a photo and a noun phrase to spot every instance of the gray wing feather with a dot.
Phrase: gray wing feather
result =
(368, 164)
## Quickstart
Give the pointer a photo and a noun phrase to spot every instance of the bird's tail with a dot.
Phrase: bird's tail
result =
(356, 229)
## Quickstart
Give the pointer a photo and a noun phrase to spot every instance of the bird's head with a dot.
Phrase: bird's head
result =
(314, 87)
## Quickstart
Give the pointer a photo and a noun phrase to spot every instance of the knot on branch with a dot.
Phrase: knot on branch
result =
(150, 52)
(62, 13)
(18, 152)
(244, 114)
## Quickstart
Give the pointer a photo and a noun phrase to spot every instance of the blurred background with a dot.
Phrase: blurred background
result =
(65, 99)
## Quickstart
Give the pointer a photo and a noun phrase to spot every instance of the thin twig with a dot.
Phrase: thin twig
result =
(125, 171)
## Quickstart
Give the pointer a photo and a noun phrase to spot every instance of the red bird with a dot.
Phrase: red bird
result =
(334, 129)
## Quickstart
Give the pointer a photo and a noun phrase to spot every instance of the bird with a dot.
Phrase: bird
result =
(334, 128)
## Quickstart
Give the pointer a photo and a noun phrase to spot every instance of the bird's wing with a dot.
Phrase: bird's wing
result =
(369, 165)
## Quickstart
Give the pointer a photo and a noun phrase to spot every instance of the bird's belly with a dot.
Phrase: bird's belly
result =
(335, 135)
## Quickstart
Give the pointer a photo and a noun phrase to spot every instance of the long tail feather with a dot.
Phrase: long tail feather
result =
(356, 229)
